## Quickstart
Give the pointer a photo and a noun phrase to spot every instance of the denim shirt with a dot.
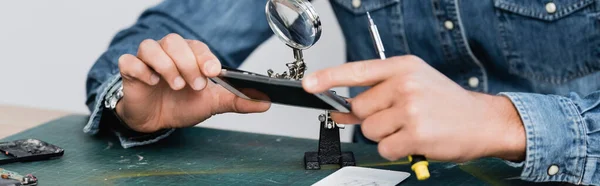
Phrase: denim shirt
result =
(544, 55)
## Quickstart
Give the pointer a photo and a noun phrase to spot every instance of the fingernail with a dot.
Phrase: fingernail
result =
(211, 67)
(179, 82)
(310, 81)
(154, 79)
(199, 83)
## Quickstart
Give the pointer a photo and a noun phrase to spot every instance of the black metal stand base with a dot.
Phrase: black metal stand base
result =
(313, 162)
(329, 149)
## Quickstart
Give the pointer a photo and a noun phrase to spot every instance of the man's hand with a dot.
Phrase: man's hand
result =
(166, 86)
(414, 109)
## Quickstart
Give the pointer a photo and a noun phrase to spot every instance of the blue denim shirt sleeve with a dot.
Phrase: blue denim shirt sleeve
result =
(219, 24)
(562, 132)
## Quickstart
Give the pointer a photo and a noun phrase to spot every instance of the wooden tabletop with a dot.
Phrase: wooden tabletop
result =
(14, 119)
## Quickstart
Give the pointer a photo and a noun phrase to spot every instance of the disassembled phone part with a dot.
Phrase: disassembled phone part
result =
(258, 87)
(28, 150)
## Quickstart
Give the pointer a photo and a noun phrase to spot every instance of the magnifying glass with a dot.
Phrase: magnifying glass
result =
(296, 23)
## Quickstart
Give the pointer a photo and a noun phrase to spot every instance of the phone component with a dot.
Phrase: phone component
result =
(26, 180)
(28, 150)
(258, 87)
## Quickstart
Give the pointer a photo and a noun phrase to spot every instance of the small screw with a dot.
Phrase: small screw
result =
(329, 126)
(322, 117)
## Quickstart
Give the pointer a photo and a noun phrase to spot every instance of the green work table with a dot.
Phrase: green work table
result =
(201, 156)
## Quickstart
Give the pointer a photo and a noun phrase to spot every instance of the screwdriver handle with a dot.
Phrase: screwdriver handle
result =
(419, 165)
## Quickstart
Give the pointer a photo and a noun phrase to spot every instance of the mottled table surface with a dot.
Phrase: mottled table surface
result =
(201, 156)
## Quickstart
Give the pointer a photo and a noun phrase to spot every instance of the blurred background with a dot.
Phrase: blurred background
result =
(48, 47)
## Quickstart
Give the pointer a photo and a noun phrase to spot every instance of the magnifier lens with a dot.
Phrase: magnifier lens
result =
(295, 22)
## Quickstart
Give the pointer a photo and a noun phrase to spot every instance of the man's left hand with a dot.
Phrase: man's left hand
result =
(414, 109)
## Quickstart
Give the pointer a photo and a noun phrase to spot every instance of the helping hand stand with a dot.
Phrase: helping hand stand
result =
(297, 24)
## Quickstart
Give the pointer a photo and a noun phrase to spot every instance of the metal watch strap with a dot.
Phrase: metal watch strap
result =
(113, 96)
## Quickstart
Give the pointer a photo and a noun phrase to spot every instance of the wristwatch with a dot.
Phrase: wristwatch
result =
(113, 96)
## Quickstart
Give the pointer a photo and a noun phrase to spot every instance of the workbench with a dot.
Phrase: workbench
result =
(202, 156)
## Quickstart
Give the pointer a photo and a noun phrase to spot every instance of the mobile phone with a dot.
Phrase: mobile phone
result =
(289, 92)
(28, 150)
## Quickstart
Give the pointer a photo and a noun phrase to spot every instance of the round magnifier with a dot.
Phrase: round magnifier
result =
(295, 22)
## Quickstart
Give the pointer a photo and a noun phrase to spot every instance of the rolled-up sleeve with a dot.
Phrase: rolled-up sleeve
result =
(218, 24)
(563, 137)
(127, 137)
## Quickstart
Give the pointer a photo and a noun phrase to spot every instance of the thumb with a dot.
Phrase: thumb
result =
(241, 105)
(230, 102)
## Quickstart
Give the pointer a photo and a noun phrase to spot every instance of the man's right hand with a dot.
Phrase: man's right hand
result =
(166, 86)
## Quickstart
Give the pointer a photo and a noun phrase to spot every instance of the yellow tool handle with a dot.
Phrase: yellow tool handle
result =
(419, 166)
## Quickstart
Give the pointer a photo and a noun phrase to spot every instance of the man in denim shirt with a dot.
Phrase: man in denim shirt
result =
(513, 79)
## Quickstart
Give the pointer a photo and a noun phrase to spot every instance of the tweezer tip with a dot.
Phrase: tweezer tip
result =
(368, 15)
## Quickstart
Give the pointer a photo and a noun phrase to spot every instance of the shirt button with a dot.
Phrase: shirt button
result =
(552, 170)
(449, 25)
(550, 7)
(356, 3)
(473, 82)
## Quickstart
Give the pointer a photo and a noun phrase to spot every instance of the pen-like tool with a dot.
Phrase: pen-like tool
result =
(376, 38)
(418, 163)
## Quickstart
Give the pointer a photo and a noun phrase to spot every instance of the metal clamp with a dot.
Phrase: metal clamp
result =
(296, 69)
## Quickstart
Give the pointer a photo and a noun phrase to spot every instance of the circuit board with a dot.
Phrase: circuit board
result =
(27, 180)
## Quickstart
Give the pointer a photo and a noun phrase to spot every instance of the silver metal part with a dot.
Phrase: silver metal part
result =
(296, 69)
(330, 124)
(322, 118)
(376, 38)
(114, 95)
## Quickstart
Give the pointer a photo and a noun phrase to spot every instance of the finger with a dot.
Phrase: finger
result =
(362, 73)
(229, 102)
(185, 61)
(133, 68)
(381, 124)
(375, 99)
(241, 105)
(396, 146)
(151, 53)
(345, 118)
(209, 64)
